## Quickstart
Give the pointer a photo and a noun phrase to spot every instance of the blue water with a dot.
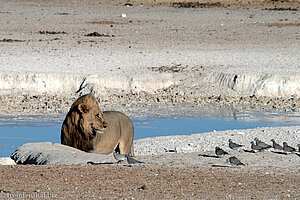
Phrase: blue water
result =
(14, 135)
(165, 127)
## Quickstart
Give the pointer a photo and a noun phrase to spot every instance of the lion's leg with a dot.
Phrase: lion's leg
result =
(126, 146)
(131, 150)
(126, 135)
(126, 140)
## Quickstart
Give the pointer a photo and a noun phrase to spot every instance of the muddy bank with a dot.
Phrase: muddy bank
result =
(147, 105)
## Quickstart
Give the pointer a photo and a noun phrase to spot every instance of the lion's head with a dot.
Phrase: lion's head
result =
(91, 120)
(82, 124)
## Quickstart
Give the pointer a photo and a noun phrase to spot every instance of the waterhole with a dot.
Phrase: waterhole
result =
(15, 132)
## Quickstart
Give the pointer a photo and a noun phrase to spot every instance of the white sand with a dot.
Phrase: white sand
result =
(202, 142)
(152, 150)
(222, 51)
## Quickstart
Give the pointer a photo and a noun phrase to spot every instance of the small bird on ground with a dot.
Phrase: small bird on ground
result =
(220, 152)
(276, 145)
(233, 145)
(249, 151)
(119, 157)
(234, 161)
(288, 148)
(262, 144)
(170, 150)
(255, 147)
(132, 161)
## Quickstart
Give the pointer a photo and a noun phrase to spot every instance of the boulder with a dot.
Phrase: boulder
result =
(46, 153)
(7, 161)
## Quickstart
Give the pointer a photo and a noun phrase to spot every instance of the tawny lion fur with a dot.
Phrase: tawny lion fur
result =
(89, 129)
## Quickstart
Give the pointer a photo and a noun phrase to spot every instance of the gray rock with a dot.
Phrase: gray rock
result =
(7, 161)
(46, 153)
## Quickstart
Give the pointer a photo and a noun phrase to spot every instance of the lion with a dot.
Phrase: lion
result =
(89, 129)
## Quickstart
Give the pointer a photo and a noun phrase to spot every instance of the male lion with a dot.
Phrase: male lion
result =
(88, 129)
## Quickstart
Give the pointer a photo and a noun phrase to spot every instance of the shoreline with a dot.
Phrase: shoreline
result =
(146, 105)
(207, 141)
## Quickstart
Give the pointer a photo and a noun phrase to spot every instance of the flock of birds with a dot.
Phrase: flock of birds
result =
(256, 146)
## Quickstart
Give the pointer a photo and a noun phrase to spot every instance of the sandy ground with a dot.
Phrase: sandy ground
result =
(169, 44)
(148, 182)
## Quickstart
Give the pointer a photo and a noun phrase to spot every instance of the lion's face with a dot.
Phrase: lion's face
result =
(91, 121)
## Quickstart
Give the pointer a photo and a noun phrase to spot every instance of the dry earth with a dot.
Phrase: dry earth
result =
(148, 182)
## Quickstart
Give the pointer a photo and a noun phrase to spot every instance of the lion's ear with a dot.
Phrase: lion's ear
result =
(83, 108)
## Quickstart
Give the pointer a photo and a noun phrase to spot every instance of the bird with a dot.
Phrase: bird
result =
(234, 161)
(170, 150)
(262, 144)
(288, 148)
(276, 145)
(255, 147)
(233, 145)
(249, 151)
(119, 157)
(220, 152)
(132, 161)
